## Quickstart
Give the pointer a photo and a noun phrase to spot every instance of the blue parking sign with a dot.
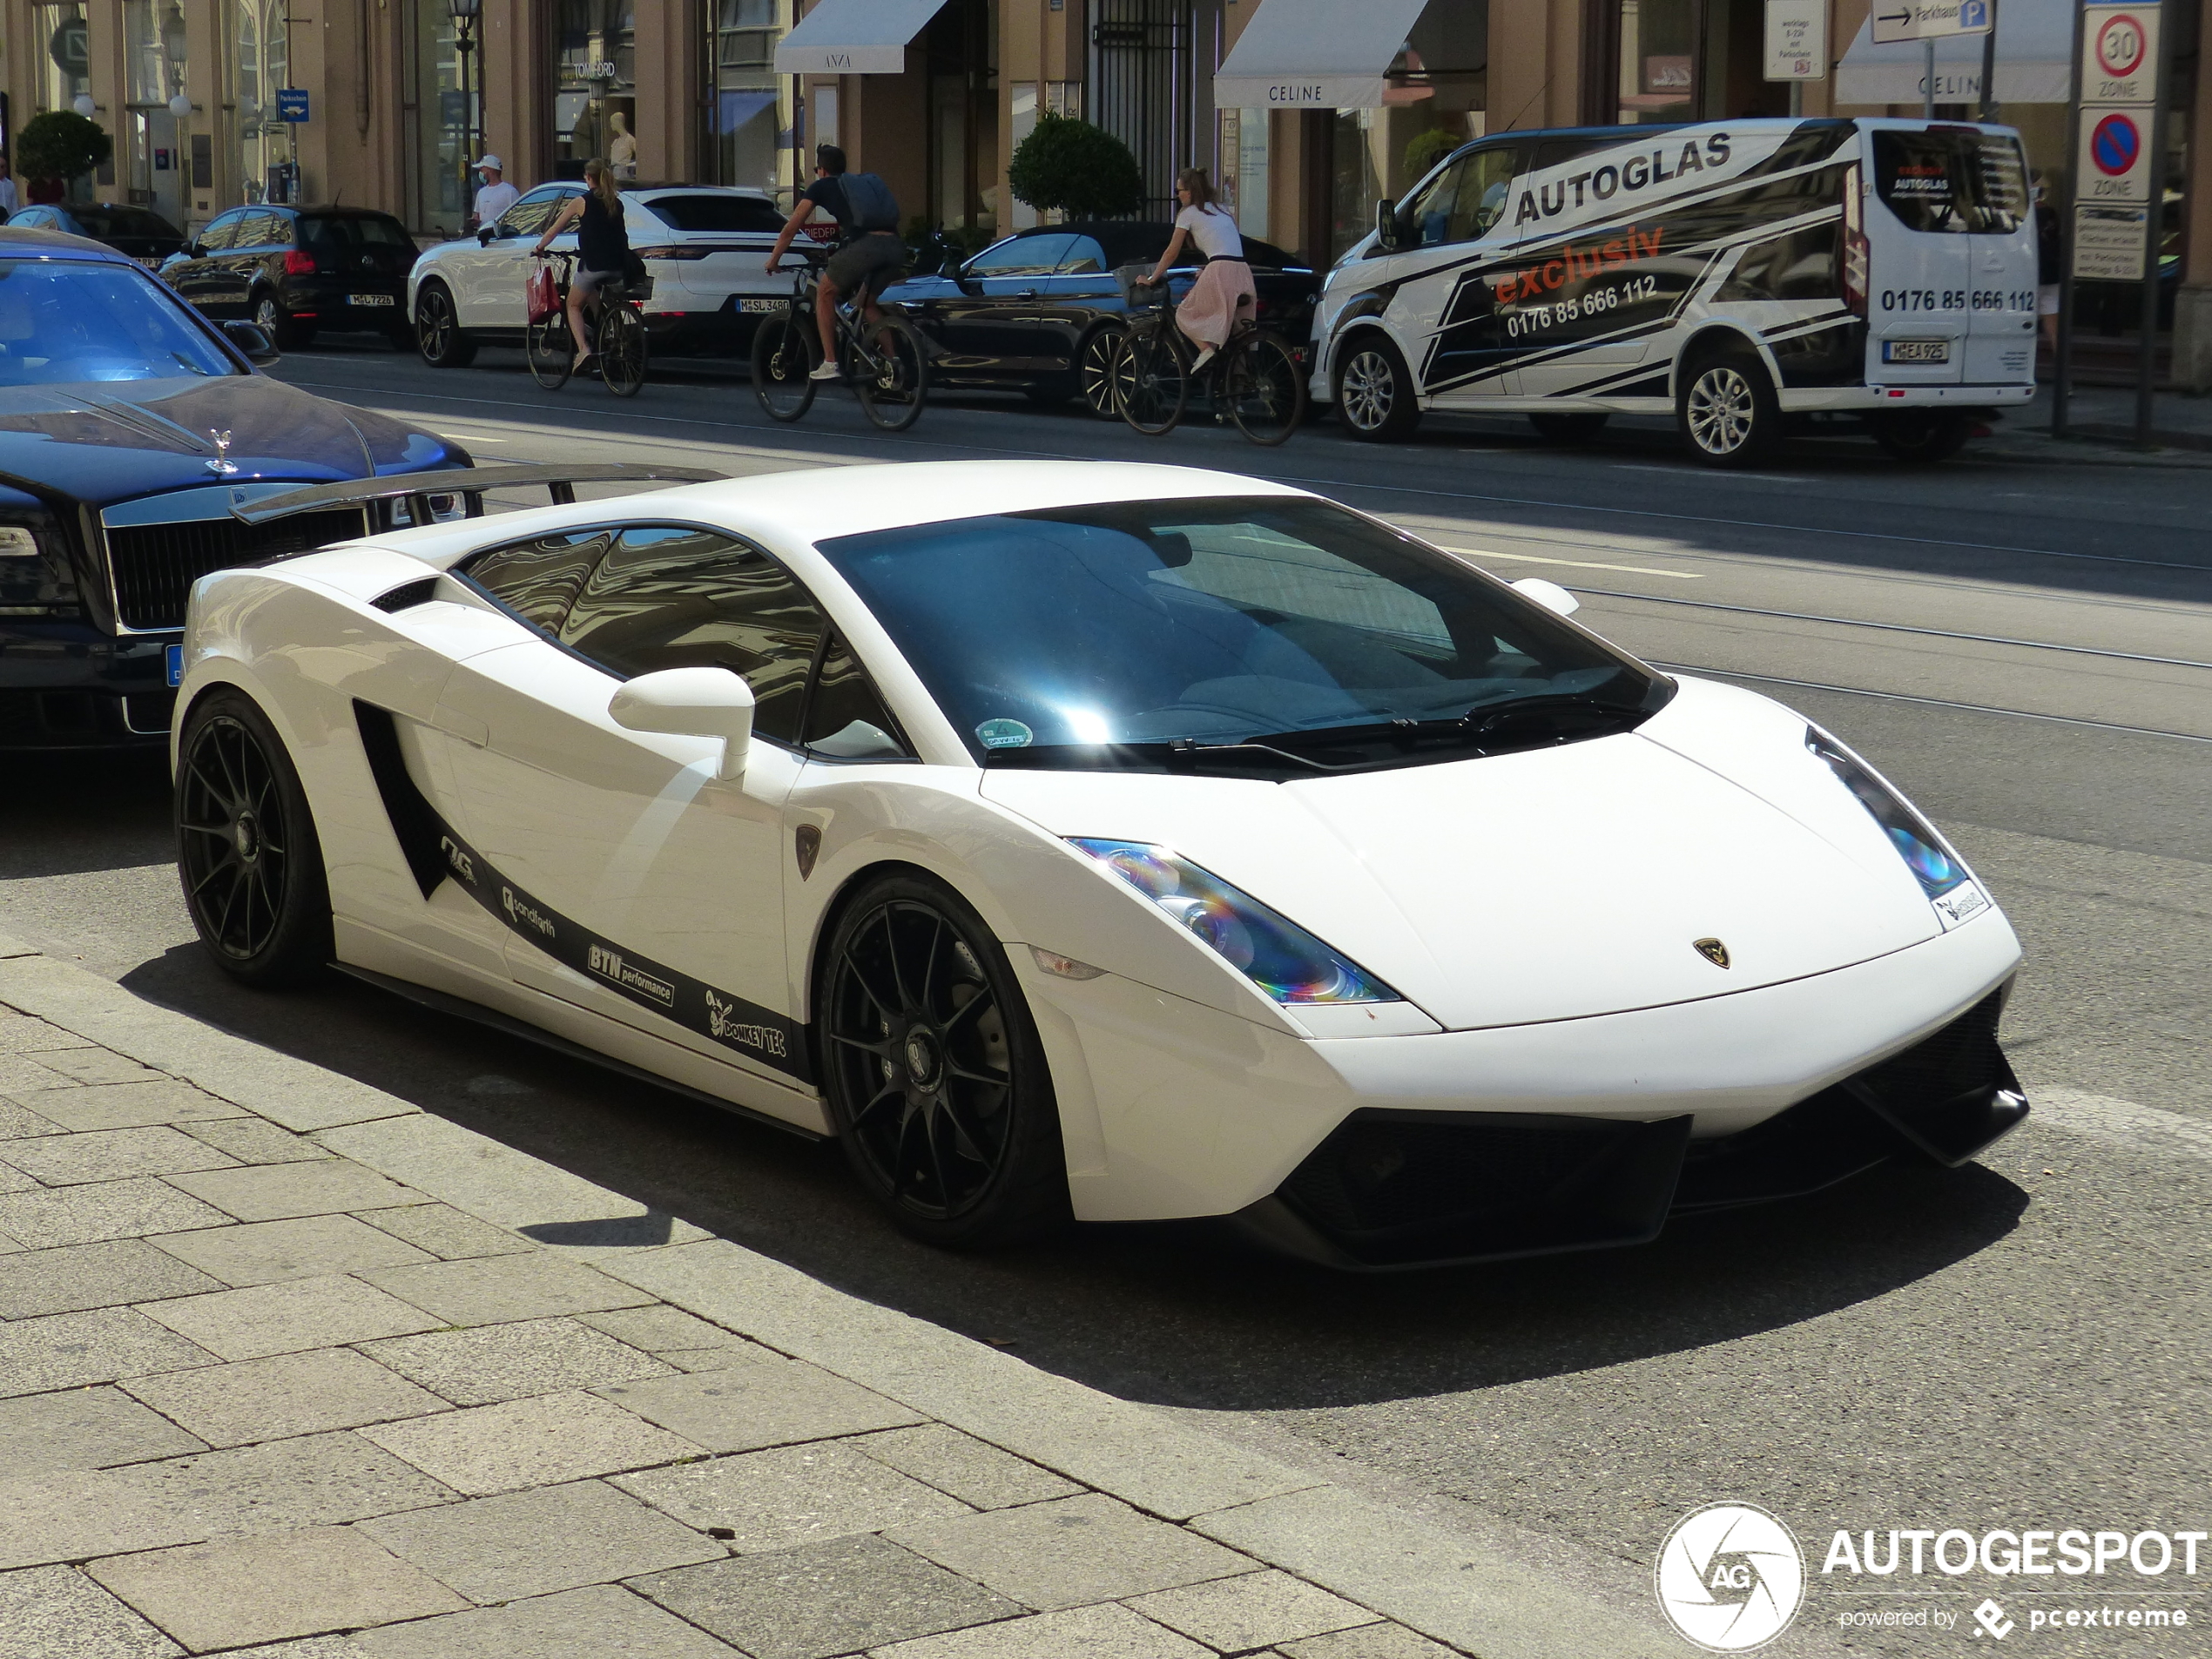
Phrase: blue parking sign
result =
(1973, 14)
(292, 101)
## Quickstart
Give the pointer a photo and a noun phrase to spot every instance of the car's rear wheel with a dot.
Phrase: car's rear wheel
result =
(1727, 409)
(246, 848)
(936, 1080)
(284, 334)
(438, 335)
(1094, 371)
(1375, 397)
(1921, 436)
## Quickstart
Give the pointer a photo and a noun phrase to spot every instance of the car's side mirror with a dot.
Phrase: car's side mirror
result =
(1386, 223)
(487, 234)
(253, 342)
(1549, 594)
(690, 703)
(194, 251)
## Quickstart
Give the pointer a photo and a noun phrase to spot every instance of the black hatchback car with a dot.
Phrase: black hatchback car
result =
(131, 431)
(1040, 312)
(302, 271)
(139, 231)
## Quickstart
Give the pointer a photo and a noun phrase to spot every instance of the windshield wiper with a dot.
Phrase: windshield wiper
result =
(1474, 725)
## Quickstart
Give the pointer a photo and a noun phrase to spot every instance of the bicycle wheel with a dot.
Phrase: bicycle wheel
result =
(551, 351)
(622, 350)
(892, 380)
(782, 356)
(1151, 385)
(1265, 387)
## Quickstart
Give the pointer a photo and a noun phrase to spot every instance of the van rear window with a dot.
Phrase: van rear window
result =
(1958, 180)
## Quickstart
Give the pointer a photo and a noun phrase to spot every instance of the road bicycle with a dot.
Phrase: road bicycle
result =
(883, 362)
(1254, 380)
(619, 338)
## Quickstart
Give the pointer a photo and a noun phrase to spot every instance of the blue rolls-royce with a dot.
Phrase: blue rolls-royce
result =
(131, 426)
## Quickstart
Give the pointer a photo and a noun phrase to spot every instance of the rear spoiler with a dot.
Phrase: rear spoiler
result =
(470, 483)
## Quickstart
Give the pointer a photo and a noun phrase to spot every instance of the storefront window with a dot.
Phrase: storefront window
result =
(1658, 60)
(65, 55)
(439, 192)
(748, 113)
(961, 43)
(594, 104)
(259, 144)
(1355, 181)
(155, 63)
(1243, 168)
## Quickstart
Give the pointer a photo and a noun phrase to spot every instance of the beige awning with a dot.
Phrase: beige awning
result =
(854, 38)
(1315, 55)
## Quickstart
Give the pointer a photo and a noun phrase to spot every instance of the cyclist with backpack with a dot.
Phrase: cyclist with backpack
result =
(869, 254)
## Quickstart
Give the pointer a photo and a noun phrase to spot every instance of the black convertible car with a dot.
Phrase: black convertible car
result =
(130, 427)
(1040, 312)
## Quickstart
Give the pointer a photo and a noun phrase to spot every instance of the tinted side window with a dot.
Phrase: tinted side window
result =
(221, 233)
(264, 230)
(670, 598)
(1022, 256)
(845, 718)
(530, 215)
(1084, 256)
(1464, 201)
(539, 580)
(705, 213)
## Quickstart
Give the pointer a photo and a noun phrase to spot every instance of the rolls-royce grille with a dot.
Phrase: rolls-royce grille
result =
(155, 564)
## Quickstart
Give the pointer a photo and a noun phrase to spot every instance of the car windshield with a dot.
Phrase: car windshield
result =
(714, 212)
(105, 221)
(1188, 625)
(69, 319)
(354, 231)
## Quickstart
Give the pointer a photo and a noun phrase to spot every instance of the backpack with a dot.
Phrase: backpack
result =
(869, 202)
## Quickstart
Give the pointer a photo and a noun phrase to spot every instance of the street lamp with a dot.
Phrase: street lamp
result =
(464, 14)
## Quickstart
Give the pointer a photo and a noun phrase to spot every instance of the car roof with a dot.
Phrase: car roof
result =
(695, 190)
(29, 239)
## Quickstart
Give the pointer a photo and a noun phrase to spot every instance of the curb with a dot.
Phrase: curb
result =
(1387, 1559)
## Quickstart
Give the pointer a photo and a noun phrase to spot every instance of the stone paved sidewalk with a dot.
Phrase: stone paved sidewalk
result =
(289, 1368)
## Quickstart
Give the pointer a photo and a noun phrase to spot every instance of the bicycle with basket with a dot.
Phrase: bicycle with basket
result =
(882, 361)
(1254, 380)
(619, 338)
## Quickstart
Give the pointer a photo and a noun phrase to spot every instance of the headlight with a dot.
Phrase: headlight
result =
(34, 575)
(1942, 877)
(1277, 955)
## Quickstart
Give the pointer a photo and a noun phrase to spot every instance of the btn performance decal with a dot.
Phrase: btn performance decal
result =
(436, 853)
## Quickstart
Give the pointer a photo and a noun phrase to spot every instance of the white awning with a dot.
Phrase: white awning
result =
(2034, 58)
(854, 38)
(1315, 55)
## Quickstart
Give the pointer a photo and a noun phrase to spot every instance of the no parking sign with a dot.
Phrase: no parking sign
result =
(2114, 165)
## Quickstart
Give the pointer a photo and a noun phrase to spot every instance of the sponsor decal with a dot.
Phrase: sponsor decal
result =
(1574, 263)
(462, 866)
(610, 964)
(725, 1022)
(1959, 903)
(521, 914)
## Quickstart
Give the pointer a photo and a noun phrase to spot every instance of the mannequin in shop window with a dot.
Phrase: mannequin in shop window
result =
(622, 146)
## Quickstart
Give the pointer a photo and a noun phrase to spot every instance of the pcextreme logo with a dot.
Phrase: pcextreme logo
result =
(1729, 1577)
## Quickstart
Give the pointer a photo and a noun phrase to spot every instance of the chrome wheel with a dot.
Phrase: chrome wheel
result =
(1721, 410)
(266, 317)
(1370, 391)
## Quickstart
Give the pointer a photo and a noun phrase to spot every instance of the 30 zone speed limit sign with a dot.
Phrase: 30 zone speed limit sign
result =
(2120, 45)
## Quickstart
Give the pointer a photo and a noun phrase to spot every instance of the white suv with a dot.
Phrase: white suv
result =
(705, 246)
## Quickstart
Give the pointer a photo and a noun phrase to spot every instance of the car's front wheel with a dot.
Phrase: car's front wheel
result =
(1374, 390)
(936, 1080)
(1094, 371)
(437, 329)
(246, 848)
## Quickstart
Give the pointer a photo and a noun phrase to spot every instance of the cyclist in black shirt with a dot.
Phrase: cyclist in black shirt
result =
(862, 254)
(602, 246)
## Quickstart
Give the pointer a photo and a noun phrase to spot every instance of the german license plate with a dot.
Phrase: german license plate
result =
(762, 305)
(1916, 351)
(368, 299)
(173, 662)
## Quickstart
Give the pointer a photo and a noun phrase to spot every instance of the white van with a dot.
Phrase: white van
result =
(1734, 274)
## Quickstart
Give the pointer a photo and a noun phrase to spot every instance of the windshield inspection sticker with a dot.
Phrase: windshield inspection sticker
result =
(1004, 734)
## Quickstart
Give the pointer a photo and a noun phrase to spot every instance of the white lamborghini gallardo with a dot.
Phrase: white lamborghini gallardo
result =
(1115, 842)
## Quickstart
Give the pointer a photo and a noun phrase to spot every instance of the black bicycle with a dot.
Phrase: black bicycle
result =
(1254, 380)
(619, 337)
(882, 361)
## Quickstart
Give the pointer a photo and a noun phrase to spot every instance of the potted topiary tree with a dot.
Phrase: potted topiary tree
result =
(57, 146)
(1073, 168)
(1424, 150)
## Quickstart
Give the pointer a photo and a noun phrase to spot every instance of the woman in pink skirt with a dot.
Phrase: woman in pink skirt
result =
(1225, 286)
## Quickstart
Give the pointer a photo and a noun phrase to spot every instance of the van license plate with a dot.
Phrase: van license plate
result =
(1916, 351)
(370, 299)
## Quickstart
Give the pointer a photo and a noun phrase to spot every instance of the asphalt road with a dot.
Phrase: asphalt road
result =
(2025, 649)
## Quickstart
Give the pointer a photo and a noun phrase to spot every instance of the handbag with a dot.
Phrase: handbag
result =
(541, 295)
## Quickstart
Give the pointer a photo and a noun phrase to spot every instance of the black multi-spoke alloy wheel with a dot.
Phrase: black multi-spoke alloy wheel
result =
(783, 357)
(1151, 379)
(551, 350)
(622, 350)
(1568, 428)
(1266, 389)
(1727, 408)
(936, 1080)
(1094, 371)
(437, 329)
(246, 849)
(895, 384)
(1374, 392)
(1921, 436)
